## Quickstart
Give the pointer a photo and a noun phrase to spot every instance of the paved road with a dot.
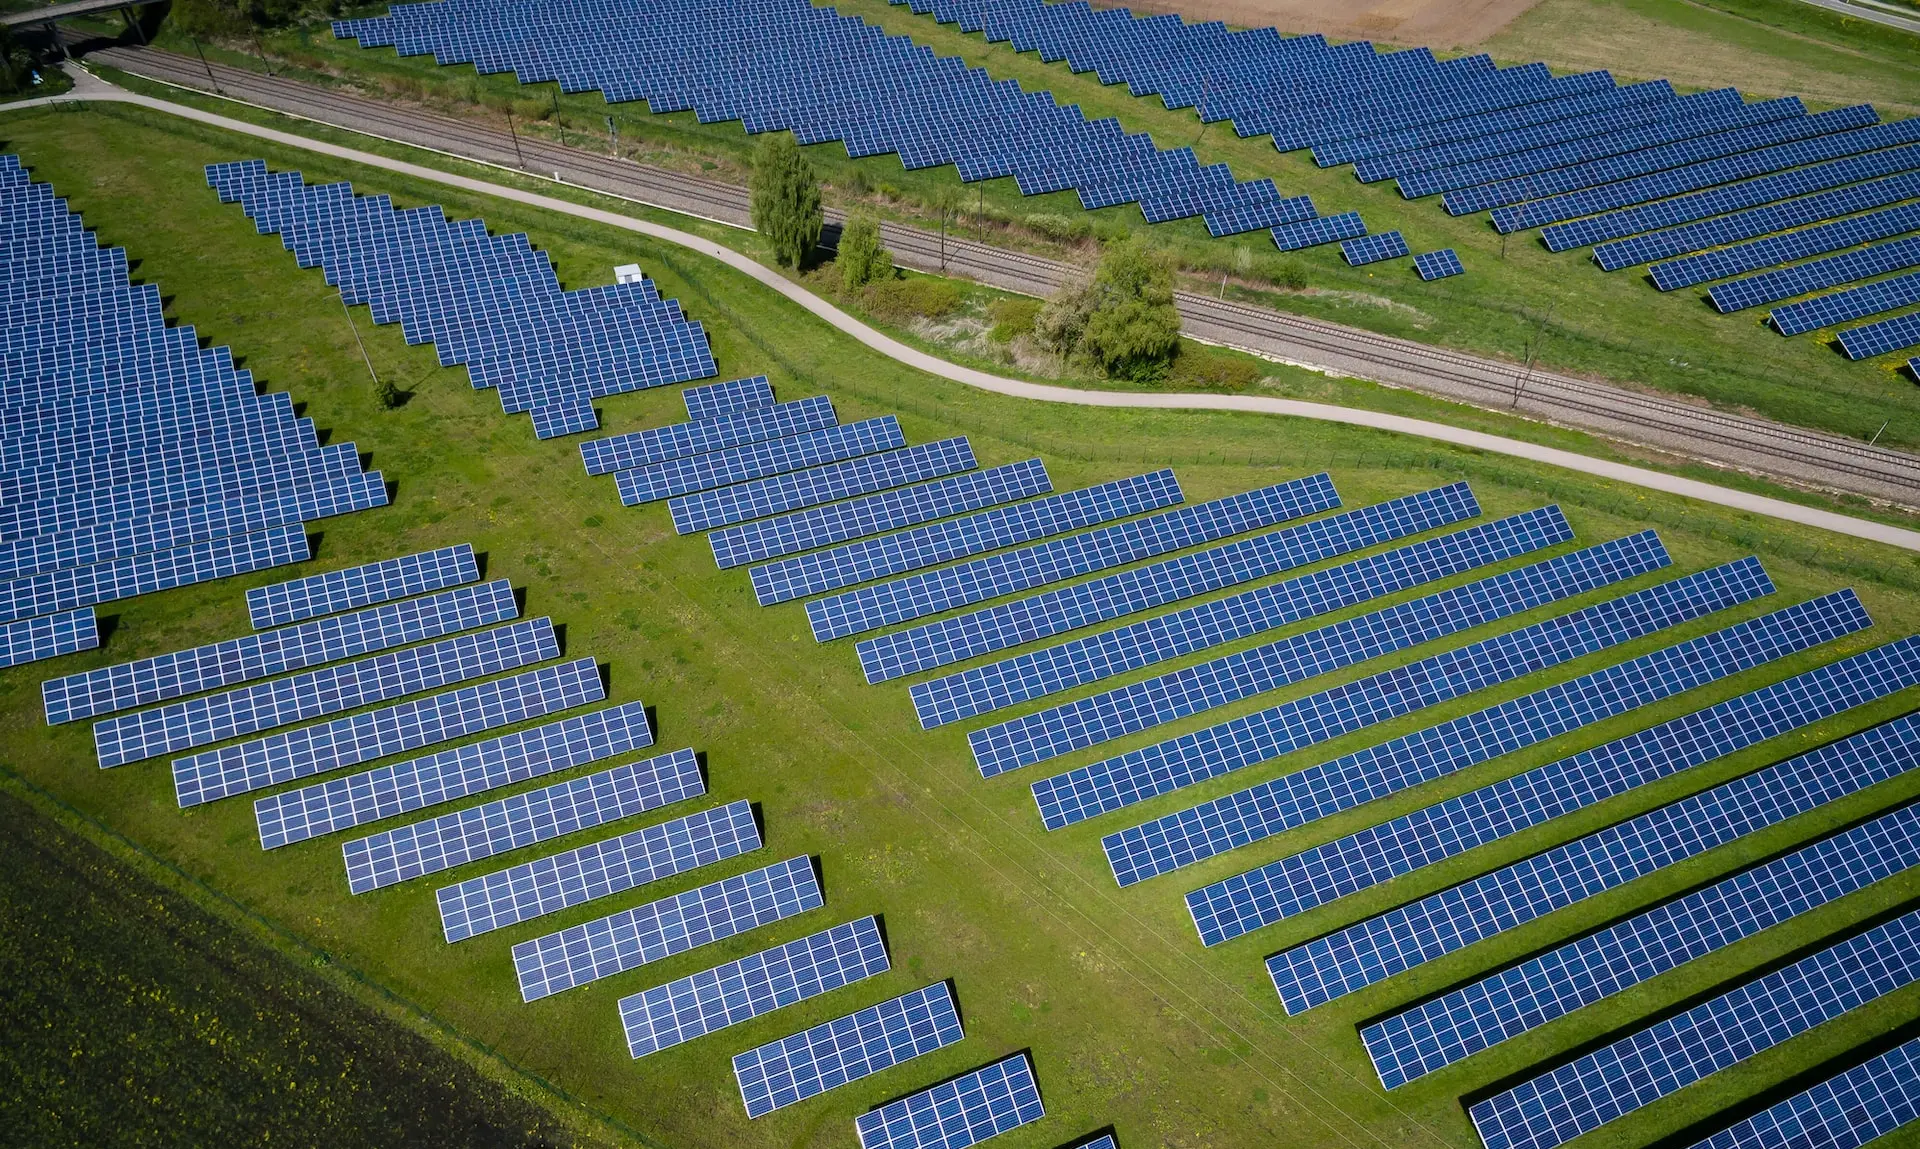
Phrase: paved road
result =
(1876, 13)
(88, 87)
(1757, 446)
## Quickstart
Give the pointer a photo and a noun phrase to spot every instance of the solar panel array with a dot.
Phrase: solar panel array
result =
(1804, 278)
(308, 750)
(1176, 694)
(681, 476)
(135, 460)
(1374, 248)
(965, 1111)
(1896, 334)
(490, 303)
(1052, 612)
(1238, 905)
(1184, 760)
(712, 400)
(799, 489)
(1841, 306)
(1845, 1111)
(876, 514)
(734, 429)
(407, 852)
(1724, 261)
(389, 791)
(1654, 1062)
(1440, 264)
(1418, 1041)
(632, 938)
(1009, 572)
(531, 889)
(1314, 232)
(327, 690)
(360, 586)
(1391, 943)
(807, 1064)
(738, 991)
(959, 538)
(1083, 660)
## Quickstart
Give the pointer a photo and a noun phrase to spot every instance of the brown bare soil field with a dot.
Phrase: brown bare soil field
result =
(1439, 23)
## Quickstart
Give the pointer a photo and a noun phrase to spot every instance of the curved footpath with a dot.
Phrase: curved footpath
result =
(90, 88)
(1672, 424)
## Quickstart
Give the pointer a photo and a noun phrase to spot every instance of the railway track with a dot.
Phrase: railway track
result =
(1757, 446)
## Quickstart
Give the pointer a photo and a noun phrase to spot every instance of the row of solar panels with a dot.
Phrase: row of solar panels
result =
(131, 460)
(897, 578)
(491, 303)
(1592, 162)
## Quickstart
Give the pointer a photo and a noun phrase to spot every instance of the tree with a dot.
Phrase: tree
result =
(862, 260)
(785, 199)
(1123, 321)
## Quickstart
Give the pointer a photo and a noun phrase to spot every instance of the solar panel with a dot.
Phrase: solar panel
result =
(1270, 808)
(1773, 249)
(1841, 306)
(919, 595)
(411, 851)
(807, 1064)
(790, 492)
(974, 534)
(532, 889)
(386, 792)
(1401, 939)
(875, 514)
(1199, 627)
(1246, 902)
(1669, 1055)
(1802, 278)
(328, 690)
(357, 738)
(1314, 232)
(712, 400)
(50, 635)
(253, 656)
(683, 476)
(64, 590)
(738, 991)
(1845, 1111)
(1374, 248)
(632, 938)
(1440, 264)
(1142, 588)
(361, 586)
(1155, 701)
(1896, 334)
(964, 1111)
(679, 440)
(1415, 1042)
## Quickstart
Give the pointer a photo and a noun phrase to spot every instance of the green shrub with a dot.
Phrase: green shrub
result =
(1059, 228)
(1012, 318)
(785, 199)
(1205, 369)
(857, 184)
(1123, 322)
(861, 259)
(903, 300)
(1288, 274)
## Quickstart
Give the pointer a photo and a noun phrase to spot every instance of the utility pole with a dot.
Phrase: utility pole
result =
(516, 140)
(1877, 434)
(207, 66)
(613, 139)
(355, 328)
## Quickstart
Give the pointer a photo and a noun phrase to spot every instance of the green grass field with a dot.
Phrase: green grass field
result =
(1585, 321)
(1129, 1021)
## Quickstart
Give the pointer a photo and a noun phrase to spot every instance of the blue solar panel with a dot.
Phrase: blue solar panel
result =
(407, 852)
(964, 1111)
(1270, 808)
(807, 1064)
(65, 590)
(1314, 232)
(1896, 334)
(1391, 943)
(253, 656)
(738, 991)
(1142, 588)
(1012, 571)
(1440, 264)
(791, 492)
(1209, 624)
(229, 770)
(328, 690)
(361, 586)
(1238, 905)
(1141, 705)
(571, 415)
(1669, 1055)
(1845, 1111)
(386, 792)
(679, 440)
(1841, 306)
(712, 400)
(48, 636)
(632, 938)
(876, 514)
(515, 894)
(1803, 278)
(683, 476)
(1414, 1043)
(1763, 221)
(971, 535)
(1374, 248)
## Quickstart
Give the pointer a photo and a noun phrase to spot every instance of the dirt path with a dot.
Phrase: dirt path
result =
(1437, 23)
